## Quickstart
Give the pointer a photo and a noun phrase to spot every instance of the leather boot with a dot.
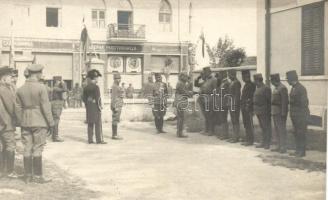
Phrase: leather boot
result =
(55, 137)
(114, 133)
(28, 166)
(157, 124)
(37, 171)
(10, 164)
(2, 164)
(161, 124)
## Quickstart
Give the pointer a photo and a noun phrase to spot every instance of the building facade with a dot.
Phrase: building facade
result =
(133, 37)
(293, 35)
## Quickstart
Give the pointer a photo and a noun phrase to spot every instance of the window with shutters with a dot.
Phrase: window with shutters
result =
(313, 39)
(98, 18)
(165, 16)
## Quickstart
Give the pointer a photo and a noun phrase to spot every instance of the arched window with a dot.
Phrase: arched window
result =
(165, 16)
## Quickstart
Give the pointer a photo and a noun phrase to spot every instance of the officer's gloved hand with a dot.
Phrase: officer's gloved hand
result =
(50, 130)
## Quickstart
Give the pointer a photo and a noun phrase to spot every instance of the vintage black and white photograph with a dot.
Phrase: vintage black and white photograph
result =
(163, 99)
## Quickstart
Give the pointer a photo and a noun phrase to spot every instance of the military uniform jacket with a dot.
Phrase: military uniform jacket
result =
(262, 100)
(224, 90)
(279, 100)
(160, 93)
(92, 101)
(208, 86)
(234, 90)
(299, 103)
(58, 90)
(247, 94)
(182, 93)
(10, 113)
(33, 101)
(117, 97)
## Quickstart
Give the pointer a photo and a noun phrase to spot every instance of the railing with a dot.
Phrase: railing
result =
(129, 31)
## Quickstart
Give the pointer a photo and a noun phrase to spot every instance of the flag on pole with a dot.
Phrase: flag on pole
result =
(202, 38)
(85, 40)
(34, 60)
(12, 51)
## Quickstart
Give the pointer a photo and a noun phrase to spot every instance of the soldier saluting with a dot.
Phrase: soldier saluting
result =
(116, 104)
(159, 102)
(299, 112)
(279, 111)
(10, 117)
(92, 101)
(37, 119)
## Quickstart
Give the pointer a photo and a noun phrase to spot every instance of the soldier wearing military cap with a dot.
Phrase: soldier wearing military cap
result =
(299, 112)
(36, 121)
(246, 102)
(57, 104)
(279, 111)
(182, 94)
(10, 116)
(160, 93)
(262, 109)
(234, 105)
(206, 99)
(117, 96)
(93, 106)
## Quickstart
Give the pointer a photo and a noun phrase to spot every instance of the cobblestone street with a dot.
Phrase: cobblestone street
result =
(149, 166)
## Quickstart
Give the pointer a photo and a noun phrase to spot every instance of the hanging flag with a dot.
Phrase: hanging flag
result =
(12, 51)
(202, 38)
(34, 60)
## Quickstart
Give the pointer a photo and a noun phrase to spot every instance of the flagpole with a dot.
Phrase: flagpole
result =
(12, 51)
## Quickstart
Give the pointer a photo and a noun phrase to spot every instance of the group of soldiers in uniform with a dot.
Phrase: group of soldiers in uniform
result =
(221, 94)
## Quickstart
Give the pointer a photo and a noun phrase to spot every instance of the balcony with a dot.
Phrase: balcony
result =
(126, 32)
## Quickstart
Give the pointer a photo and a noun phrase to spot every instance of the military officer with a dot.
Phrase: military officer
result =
(93, 106)
(57, 104)
(147, 89)
(181, 102)
(262, 109)
(279, 111)
(159, 102)
(246, 103)
(11, 117)
(224, 109)
(299, 112)
(36, 121)
(116, 104)
(234, 107)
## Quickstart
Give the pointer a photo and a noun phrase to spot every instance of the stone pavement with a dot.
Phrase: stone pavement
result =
(148, 166)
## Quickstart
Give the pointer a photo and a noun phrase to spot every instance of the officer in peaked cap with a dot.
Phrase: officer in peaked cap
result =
(246, 102)
(299, 112)
(57, 104)
(93, 106)
(262, 109)
(117, 96)
(160, 93)
(36, 121)
(279, 111)
(234, 107)
(8, 121)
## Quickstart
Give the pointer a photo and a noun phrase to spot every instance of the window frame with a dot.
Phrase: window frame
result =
(165, 24)
(96, 22)
(59, 17)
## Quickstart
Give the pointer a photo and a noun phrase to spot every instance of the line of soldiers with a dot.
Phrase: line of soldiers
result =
(28, 108)
(220, 95)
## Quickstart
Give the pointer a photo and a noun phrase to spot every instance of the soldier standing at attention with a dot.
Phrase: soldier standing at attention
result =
(92, 101)
(11, 117)
(116, 105)
(246, 103)
(224, 109)
(262, 109)
(299, 112)
(234, 108)
(160, 102)
(279, 111)
(57, 104)
(37, 119)
(181, 102)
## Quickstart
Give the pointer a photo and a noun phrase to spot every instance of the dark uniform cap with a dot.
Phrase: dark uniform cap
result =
(292, 75)
(158, 75)
(207, 69)
(117, 76)
(245, 73)
(57, 78)
(93, 74)
(34, 68)
(183, 74)
(257, 76)
(5, 71)
(15, 73)
(26, 73)
(232, 71)
(275, 77)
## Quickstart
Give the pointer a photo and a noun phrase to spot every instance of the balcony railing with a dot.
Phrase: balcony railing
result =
(126, 31)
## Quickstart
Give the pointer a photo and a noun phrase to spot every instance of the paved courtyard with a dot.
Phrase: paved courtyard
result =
(148, 166)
